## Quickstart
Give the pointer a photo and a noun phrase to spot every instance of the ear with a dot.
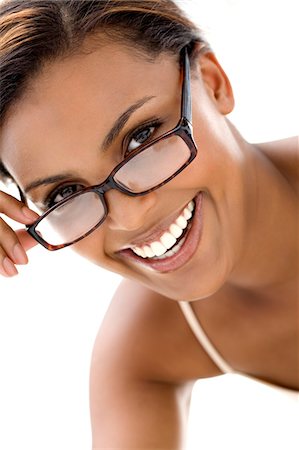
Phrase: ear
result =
(216, 82)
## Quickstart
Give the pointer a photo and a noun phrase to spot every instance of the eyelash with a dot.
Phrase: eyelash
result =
(156, 124)
(49, 200)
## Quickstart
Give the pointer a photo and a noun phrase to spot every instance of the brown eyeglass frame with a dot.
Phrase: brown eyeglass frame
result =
(182, 129)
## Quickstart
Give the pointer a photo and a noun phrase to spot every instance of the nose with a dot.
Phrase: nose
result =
(126, 213)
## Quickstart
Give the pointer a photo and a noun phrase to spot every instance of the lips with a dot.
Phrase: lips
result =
(184, 249)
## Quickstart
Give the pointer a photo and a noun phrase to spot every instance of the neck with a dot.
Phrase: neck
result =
(269, 257)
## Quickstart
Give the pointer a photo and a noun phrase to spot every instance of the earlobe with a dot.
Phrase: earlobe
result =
(216, 82)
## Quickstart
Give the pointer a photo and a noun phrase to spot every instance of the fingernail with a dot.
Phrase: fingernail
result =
(9, 267)
(29, 214)
(19, 254)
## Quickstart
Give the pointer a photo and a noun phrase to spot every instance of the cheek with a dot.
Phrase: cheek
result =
(92, 247)
(218, 163)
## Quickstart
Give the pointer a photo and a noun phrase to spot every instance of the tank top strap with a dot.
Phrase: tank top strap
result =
(203, 338)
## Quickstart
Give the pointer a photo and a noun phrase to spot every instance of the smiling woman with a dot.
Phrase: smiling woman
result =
(114, 128)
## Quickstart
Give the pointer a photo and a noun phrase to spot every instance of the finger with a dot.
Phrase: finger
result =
(16, 210)
(25, 239)
(11, 244)
(7, 268)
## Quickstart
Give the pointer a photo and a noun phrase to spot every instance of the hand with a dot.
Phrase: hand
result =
(14, 244)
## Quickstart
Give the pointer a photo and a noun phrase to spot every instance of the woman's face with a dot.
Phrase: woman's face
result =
(59, 126)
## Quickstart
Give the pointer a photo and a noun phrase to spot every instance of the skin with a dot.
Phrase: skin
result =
(246, 265)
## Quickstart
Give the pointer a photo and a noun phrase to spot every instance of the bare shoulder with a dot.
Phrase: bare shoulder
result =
(146, 334)
(284, 154)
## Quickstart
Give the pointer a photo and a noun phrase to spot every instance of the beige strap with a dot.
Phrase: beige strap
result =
(203, 339)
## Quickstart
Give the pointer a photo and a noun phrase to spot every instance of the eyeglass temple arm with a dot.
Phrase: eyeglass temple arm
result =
(22, 196)
(186, 91)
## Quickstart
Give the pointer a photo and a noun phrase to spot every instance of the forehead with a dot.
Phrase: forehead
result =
(74, 102)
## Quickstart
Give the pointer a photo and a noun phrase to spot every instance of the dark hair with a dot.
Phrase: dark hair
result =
(35, 32)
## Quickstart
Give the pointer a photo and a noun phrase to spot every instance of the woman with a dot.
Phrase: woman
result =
(114, 128)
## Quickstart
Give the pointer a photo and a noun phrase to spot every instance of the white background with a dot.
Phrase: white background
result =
(50, 313)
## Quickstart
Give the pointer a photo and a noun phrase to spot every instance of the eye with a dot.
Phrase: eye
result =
(61, 194)
(140, 137)
(142, 134)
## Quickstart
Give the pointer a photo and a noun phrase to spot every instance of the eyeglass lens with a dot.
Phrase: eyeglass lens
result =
(147, 169)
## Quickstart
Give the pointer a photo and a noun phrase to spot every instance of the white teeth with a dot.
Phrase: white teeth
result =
(158, 248)
(181, 222)
(168, 240)
(175, 230)
(166, 255)
(148, 251)
(174, 250)
(187, 213)
(191, 205)
(139, 252)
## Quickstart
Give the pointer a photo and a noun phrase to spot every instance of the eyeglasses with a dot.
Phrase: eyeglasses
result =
(146, 169)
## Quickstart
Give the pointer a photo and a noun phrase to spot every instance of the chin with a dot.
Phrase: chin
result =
(192, 289)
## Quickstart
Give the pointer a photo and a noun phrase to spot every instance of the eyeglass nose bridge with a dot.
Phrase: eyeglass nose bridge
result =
(105, 186)
(109, 184)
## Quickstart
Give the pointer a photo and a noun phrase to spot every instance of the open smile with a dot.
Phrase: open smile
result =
(176, 246)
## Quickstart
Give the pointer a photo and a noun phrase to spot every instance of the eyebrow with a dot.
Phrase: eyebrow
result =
(110, 137)
(122, 120)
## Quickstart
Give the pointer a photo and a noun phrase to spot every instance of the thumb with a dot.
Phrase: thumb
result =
(25, 239)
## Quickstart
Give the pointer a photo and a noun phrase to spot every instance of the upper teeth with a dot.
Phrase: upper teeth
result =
(169, 238)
